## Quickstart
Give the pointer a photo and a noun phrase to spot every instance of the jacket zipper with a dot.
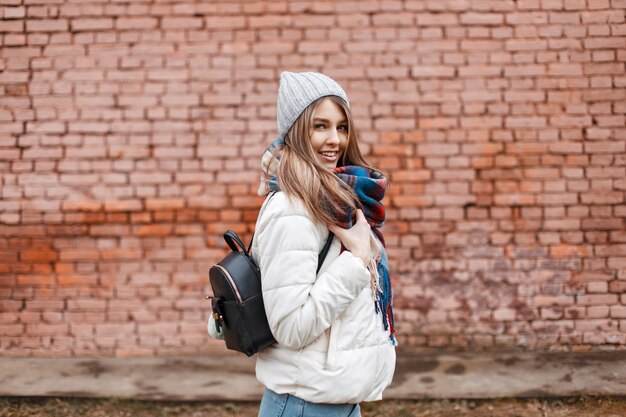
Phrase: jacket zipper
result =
(231, 281)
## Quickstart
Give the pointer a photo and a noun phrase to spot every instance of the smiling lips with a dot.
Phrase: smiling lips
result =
(330, 156)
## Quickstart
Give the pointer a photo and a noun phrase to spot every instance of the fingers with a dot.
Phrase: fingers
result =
(333, 228)
(360, 217)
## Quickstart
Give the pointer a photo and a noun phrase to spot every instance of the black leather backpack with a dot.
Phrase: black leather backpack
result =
(237, 300)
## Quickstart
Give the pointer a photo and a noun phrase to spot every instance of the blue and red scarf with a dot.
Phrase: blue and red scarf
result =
(369, 186)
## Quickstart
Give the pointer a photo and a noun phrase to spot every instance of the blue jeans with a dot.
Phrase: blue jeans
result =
(285, 405)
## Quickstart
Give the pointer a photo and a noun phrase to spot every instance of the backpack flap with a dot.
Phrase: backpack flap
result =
(244, 275)
(223, 284)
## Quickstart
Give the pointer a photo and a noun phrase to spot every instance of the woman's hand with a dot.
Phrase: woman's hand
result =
(357, 238)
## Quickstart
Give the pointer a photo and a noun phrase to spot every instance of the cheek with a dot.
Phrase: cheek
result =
(316, 142)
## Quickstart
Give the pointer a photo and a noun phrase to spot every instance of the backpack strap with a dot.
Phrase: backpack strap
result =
(324, 252)
(320, 257)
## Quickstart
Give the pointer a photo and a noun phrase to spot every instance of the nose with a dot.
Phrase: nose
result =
(333, 136)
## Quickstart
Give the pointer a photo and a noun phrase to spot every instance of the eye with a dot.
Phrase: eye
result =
(344, 128)
(319, 126)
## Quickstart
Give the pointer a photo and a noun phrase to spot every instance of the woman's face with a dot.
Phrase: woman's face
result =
(329, 132)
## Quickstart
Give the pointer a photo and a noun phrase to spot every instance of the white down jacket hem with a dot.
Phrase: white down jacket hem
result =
(331, 345)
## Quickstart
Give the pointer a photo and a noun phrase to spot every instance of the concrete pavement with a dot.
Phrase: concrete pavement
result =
(423, 375)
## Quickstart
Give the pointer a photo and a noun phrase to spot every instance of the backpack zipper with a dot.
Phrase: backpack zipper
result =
(231, 281)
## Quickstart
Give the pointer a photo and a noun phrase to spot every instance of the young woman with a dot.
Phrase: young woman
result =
(334, 330)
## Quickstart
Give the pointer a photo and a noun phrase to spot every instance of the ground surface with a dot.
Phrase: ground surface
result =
(232, 378)
(567, 407)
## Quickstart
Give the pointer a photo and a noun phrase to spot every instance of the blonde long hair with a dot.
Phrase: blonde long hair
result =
(302, 175)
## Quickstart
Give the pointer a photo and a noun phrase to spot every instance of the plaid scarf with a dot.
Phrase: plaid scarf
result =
(369, 187)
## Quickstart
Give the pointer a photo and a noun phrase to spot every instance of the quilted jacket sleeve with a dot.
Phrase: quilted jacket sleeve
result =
(299, 306)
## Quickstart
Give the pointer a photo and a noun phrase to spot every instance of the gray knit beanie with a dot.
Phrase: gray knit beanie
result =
(297, 90)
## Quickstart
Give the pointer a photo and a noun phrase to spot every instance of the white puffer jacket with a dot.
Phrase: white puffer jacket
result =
(332, 347)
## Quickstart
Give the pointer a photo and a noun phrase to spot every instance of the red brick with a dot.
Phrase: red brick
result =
(47, 329)
(553, 313)
(164, 74)
(14, 12)
(82, 205)
(615, 197)
(595, 325)
(91, 24)
(436, 19)
(482, 18)
(217, 151)
(412, 175)
(270, 21)
(566, 70)
(562, 251)
(153, 230)
(602, 224)
(158, 329)
(135, 23)
(35, 280)
(47, 25)
(320, 21)
(432, 71)
(597, 299)
(618, 312)
(225, 22)
(604, 147)
(574, 4)
(7, 330)
(77, 280)
(39, 255)
(181, 23)
(525, 45)
(313, 47)
(117, 331)
(617, 286)
(617, 263)
(438, 149)
(164, 204)
(8, 318)
(120, 254)
(614, 68)
(126, 205)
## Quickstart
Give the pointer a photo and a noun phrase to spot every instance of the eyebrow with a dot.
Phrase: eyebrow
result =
(326, 120)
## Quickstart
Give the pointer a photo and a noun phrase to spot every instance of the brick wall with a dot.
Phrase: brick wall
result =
(131, 132)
